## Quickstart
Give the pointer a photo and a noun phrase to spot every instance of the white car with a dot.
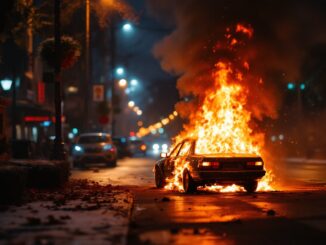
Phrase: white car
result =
(94, 148)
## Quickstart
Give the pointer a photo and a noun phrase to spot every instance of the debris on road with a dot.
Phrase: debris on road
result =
(81, 210)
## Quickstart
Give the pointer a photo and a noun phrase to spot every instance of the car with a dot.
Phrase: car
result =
(137, 147)
(122, 145)
(209, 169)
(94, 148)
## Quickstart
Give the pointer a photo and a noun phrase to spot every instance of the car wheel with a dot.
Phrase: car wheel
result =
(78, 164)
(189, 185)
(159, 178)
(112, 163)
(251, 186)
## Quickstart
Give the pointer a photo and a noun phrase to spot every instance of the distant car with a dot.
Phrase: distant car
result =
(137, 147)
(122, 145)
(94, 148)
(208, 169)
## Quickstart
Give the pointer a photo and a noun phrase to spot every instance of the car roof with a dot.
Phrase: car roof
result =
(94, 134)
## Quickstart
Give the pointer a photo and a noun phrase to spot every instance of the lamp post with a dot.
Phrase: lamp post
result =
(6, 85)
(87, 63)
(113, 66)
(58, 150)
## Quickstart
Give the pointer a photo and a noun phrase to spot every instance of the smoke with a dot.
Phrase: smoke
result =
(284, 33)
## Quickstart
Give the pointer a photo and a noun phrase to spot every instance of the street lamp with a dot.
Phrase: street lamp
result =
(120, 71)
(133, 82)
(122, 83)
(131, 104)
(6, 84)
(127, 27)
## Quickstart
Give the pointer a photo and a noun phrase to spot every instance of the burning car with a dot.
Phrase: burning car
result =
(208, 169)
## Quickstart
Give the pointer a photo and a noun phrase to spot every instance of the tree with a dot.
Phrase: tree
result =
(70, 52)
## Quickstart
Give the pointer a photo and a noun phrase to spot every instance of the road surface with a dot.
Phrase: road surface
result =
(292, 215)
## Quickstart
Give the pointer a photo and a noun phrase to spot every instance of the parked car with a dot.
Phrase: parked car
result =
(122, 145)
(137, 147)
(208, 169)
(94, 148)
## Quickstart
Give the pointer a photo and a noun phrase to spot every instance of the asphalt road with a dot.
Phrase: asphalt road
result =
(293, 214)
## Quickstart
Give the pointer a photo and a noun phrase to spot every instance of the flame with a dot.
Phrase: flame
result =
(222, 124)
(247, 30)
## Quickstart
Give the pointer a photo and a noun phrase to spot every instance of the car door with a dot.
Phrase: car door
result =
(183, 153)
(169, 161)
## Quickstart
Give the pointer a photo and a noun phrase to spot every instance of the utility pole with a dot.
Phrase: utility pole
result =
(113, 65)
(58, 151)
(87, 64)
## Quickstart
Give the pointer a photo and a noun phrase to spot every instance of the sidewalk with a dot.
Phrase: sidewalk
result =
(82, 212)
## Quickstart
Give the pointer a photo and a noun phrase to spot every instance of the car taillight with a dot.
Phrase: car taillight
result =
(143, 147)
(256, 164)
(210, 164)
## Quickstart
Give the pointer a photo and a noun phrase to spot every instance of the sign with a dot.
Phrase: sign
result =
(98, 93)
(103, 119)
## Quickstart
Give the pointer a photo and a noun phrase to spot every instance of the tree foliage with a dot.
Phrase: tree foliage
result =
(69, 51)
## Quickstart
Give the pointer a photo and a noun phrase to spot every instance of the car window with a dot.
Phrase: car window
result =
(175, 151)
(185, 148)
(94, 139)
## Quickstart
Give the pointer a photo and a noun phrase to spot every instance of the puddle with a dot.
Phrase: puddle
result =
(183, 236)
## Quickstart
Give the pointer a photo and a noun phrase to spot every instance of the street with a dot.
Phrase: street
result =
(291, 215)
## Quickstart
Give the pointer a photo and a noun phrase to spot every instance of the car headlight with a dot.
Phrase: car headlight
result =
(78, 148)
(256, 164)
(164, 148)
(107, 147)
(156, 147)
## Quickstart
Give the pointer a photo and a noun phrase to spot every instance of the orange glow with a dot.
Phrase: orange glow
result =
(245, 30)
(143, 147)
(222, 123)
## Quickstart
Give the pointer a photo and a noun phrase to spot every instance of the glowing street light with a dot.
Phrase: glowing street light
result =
(139, 112)
(6, 84)
(133, 82)
(122, 83)
(127, 27)
(131, 104)
(120, 71)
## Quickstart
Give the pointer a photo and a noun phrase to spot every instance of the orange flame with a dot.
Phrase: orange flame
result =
(245, 30)
(221, 125)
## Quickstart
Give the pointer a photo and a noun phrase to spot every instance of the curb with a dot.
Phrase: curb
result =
(17, 176)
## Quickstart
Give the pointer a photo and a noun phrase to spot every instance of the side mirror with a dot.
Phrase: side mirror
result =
(163, 154)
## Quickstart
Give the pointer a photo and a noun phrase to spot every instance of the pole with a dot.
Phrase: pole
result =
(87, 63)
(13, 110)
(58, 152)
(113, 65)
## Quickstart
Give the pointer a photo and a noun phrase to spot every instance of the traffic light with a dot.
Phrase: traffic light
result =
(291, 86)
(302, 86)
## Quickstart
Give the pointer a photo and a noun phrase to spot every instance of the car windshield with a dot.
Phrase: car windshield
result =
(137, 142)
(93, 139)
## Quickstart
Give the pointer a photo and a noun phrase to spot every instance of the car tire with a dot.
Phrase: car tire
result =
(112, 163)
(189, 186)
(251, 186)
(159, 178)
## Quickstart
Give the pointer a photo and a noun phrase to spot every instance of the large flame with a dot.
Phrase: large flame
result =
(222, 124)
